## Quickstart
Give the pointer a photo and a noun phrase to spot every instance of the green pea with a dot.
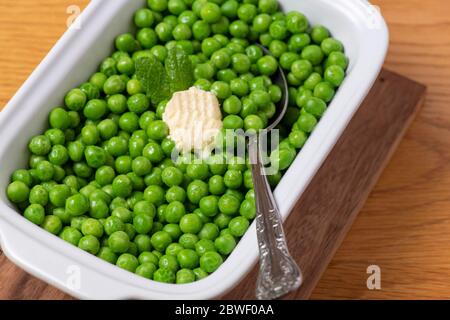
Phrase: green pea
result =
(248, 209)
(297, 138)
(71, 235)
(229, 204)
(334, 75)
(196, 190)
(209, 205)
(209, 231)
(267, 65)
(143, 223)
(35, 213)
(119, 242)
(122, 186)
(40, 145)
(90, 244)
(324, 91)
(330, 45)
(296, 22)
(160, 240)
(75, 99)
(174, 212)
(148, 257)
(157, 130)
(188, 258)
(185, 276)
(154, 194)
(319, 34)
(164, 275)
(238, 226)
(315, 106)
(225, 244)
(210, 13)
(216, 185)
(107, 255)
(239, 29)
(126, 43)
(128, 262)
(210, 261)
(172, 176)
(92, 227)
(282, 158)
(233, 122)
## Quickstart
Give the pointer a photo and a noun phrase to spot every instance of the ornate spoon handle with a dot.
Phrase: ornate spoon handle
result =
(278, 272)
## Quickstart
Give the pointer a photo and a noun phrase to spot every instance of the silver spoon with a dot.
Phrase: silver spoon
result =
(278, 272)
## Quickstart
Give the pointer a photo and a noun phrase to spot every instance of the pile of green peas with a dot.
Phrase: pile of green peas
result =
(101, 177)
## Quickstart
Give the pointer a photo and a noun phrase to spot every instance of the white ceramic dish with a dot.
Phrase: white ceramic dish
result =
(75, 57)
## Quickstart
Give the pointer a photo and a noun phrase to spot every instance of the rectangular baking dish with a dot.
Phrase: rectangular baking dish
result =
(75, 57)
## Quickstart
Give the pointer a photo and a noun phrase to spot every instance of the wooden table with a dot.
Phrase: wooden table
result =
(404, 227)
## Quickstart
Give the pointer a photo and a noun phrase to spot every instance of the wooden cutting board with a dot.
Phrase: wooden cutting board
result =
(330, 204)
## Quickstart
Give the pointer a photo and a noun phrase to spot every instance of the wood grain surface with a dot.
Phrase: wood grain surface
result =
(404, 226)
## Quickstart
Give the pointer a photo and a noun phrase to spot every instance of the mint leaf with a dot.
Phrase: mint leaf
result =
(179, 70)
(153, 77)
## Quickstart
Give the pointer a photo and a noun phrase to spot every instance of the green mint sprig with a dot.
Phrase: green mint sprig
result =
(160, 81)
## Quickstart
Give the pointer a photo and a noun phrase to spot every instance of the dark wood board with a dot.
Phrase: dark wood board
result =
(330, 204)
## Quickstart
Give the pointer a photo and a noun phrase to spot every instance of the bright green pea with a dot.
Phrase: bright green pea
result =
(267, 65)
(174, 212)
(211, 13)
(59, 119)
(160, 240)
(188, 258)
(282, 158)
(238, 226)
(315, 106)
(143, 223)
(185, 276)
(119, 242)
(35, 213)
(122, 186)
(90, 244)
(75, 99)
(210, 261)
(77, 205)
(319, 34)
(146, 270)
(38, 195)
(229, 204)
(196, 190)
(172, 176)
(40, 145)
(239, 29)
(233, 122)
(296, 22)
(148, 257)
(324, 91)
(164, 275)
(123, 214)
(92, 227)
(209, 231)
(225, 244)
(313, 53)
(154, 194)
(71, 235)
(157, 130)
(216, 185)
(297, 138)
(128, 262)
(59, 194)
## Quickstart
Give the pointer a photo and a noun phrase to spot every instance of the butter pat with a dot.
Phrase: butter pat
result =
(194, 119)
